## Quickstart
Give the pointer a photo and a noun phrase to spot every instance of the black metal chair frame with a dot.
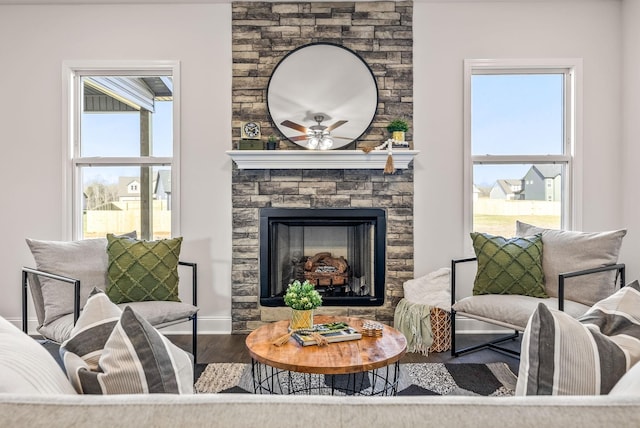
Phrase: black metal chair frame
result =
(76, 299)
(495, 344)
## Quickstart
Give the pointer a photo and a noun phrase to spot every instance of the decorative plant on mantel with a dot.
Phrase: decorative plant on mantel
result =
(303, 298)
(397, 128)
(272, 142)
(398, 125)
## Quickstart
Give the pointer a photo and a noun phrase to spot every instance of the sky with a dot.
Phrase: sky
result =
(515, 114)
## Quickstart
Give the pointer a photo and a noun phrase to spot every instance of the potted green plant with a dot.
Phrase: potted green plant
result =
(397, 129)
(302, 298)
(272, 142)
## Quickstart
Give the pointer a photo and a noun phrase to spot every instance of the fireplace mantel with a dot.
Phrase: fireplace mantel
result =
(317, 159)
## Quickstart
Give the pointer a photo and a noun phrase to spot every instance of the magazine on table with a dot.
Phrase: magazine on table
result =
(333, 332)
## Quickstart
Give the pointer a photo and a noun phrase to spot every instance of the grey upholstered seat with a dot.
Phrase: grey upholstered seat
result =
(159, 314)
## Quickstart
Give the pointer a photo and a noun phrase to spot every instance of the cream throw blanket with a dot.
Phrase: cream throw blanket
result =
(412, 317)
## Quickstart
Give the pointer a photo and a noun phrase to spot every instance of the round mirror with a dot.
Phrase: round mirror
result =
(322, 96)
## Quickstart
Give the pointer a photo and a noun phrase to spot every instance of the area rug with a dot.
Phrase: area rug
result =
(493, 379)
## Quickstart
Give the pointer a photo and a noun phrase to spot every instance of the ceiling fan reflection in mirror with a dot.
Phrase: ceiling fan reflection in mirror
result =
(318, 136)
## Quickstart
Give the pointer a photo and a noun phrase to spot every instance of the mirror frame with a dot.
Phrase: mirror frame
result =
(306, 119)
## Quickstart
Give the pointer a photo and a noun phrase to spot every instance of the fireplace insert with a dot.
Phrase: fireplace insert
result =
(342, 251)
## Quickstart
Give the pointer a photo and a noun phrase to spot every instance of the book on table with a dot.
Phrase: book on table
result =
(341, 334)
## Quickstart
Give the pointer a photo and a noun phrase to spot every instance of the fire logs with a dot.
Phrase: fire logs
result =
(323, 269)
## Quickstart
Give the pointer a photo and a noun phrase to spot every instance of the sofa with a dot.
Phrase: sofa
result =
(34, 392)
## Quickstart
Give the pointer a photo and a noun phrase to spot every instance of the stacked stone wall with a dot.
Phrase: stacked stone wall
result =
(381, 33)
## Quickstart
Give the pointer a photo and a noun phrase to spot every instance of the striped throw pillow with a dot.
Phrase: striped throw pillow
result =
(137, 359)
(586, 356)
(93, 328)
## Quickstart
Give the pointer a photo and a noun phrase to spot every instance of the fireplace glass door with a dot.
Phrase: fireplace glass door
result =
(340, 251)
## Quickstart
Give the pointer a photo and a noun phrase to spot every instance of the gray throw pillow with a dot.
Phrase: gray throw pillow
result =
(85, 260)
(569, 251)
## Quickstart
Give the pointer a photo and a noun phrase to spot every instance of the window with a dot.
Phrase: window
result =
(520, 144)
(122, 145)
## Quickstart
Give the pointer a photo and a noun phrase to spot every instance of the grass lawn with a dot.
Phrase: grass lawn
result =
(505, 225)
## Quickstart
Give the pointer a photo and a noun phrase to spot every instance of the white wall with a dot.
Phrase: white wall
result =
(445, 33)
(631, 135)
(34, 41)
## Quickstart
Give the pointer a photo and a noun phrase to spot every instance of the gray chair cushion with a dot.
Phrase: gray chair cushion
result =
(511, 311)
(58, 330)
(159, 314)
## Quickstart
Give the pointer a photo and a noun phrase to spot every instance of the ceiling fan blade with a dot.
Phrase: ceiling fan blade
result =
(335, 125)
(294, 125)
(342, 138)
(298, 138)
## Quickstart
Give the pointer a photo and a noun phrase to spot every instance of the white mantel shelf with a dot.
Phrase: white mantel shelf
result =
(320, 159)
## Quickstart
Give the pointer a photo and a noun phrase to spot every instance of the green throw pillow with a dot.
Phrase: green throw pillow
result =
(508, 266)
(142, 270)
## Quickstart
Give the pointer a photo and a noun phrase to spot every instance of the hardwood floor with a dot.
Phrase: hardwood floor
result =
(230, 348)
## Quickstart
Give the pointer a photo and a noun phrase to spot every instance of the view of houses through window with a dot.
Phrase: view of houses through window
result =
(519, 148)
(533, 198)
(123, 159)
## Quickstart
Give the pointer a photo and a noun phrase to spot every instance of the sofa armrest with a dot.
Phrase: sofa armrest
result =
(620, 267)
(26, 271)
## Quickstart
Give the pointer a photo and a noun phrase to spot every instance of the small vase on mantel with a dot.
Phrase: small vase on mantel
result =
(398, 135)
(301, 319)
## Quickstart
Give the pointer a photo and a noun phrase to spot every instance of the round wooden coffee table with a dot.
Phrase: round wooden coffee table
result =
(366, 366)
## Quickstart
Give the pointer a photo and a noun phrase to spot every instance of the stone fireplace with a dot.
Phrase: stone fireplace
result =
(263, 32)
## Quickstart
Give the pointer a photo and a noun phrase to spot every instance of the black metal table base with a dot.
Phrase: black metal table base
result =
(271, 380)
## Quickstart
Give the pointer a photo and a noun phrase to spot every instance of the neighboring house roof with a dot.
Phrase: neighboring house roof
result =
(163, 181)
(507, 186)
(108, 206)
(123, 186)
(548, 170)
(482, 191)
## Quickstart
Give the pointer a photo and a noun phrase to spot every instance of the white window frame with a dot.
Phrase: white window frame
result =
(72, 72)
(572, 157)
